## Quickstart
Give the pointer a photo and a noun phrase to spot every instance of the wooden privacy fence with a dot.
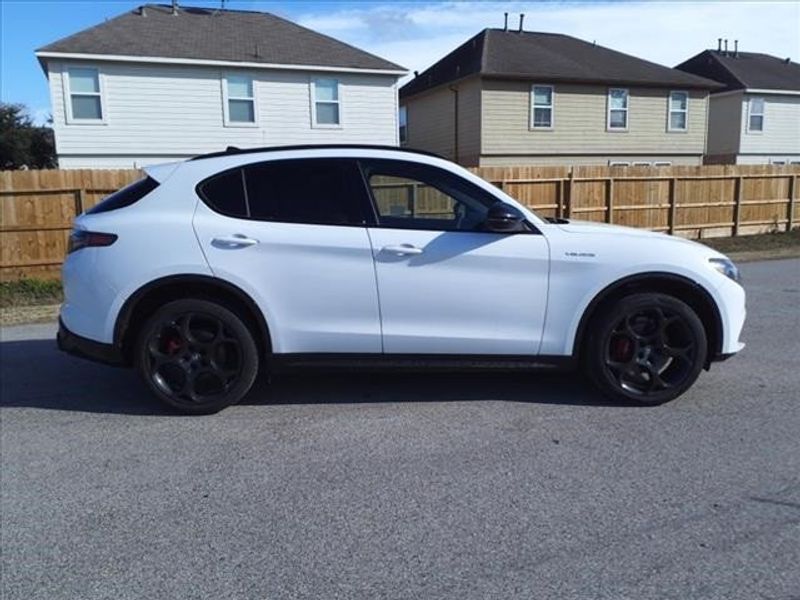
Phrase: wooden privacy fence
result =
(696, 202)
(37, 207)
(36, 213)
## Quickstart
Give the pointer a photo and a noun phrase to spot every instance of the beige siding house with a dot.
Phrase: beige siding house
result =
(511, 98)
(755, 118)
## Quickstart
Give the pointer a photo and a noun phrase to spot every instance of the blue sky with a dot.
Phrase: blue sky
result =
(416, 34)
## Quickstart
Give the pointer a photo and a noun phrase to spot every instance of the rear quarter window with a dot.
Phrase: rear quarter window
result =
(127, 196)
(224, 193)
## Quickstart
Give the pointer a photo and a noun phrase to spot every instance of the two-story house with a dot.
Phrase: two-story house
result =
(163, 83)
(755, 118)
(522, 98)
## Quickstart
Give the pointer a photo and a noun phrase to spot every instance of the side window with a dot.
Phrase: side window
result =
(755, 118)
(314, 191)
(241, 100)
(326, 102)
(415, 196)
(85, 97)
(224, 193)
(617, 109)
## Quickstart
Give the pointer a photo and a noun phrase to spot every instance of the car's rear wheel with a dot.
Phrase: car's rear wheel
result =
(197, 356)
(645, 348)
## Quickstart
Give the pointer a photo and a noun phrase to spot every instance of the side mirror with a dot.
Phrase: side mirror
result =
(504, 218)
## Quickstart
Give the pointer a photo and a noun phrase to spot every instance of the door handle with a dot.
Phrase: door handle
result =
(402, 250)
(237, 239)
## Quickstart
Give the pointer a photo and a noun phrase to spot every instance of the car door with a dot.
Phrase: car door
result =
(446, 285)
(292, 233)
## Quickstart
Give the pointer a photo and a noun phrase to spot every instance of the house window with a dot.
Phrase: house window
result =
(403, 119)
(618, 163)
(678, 111)
(755, 118)
(85, 99)
(617, 109)
(542, 107)
(241, 100)
(326, 102)
(641, 163)
(662, 163)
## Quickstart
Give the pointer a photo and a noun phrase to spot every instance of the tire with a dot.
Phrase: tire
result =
(645, 348)
(197, 356)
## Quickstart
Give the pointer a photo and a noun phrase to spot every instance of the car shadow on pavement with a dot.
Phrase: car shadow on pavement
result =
(35, 374)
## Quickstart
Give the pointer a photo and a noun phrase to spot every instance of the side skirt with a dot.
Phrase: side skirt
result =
(419, 362)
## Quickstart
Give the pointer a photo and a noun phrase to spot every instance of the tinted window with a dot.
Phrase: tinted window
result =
(225, 194)
(414, 196)
(320, 191)
(126, 196)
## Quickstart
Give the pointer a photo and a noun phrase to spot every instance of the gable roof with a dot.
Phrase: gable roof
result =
(745, 70)
(234, 36)
(548, 57)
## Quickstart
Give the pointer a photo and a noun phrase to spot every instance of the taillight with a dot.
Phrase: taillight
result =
(80, 238)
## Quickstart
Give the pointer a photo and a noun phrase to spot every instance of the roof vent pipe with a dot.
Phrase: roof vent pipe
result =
(521, 19)
(736, 48)
(719, 44)
(174, 7)
(726, 46)
(505, 21)
(142, 11)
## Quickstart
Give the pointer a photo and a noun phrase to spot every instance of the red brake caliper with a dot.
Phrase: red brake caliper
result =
(621, 349)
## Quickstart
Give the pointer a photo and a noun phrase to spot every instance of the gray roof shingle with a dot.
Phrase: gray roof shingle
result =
(548, 57)
(745, 70)
(224, 35)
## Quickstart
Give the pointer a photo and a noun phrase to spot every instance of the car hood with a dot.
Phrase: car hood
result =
(604, 229)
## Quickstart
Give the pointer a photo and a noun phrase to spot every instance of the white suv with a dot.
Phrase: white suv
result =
(206, 270)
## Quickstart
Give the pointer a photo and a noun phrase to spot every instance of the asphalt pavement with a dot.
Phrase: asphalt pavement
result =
(407, 485)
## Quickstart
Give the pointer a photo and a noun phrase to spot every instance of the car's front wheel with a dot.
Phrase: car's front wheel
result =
(647, 348)
(197, 356)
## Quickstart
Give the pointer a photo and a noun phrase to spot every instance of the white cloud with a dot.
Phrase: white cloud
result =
(417, 35)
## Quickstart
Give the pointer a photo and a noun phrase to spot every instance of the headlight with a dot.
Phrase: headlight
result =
(726, 267)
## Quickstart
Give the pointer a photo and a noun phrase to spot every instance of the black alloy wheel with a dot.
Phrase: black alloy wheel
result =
(197, 356)
(648, 348)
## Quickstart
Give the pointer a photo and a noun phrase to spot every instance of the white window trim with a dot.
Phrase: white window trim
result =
(662, 163)
(670, 110)
(552, 108)
(762, 114)
(627, 110)
(226, 117)
(312, 88)
(619, 163)
(70, 120)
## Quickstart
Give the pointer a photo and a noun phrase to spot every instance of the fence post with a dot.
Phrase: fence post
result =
(560, 199)
(610, 200)
(790, 209)
(80, 201)
(568, 195)
(737, 209)
(673, 208)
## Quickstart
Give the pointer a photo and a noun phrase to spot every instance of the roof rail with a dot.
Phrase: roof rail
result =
(233, 150)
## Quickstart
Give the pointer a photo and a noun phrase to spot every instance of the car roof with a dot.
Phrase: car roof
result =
(234, 151)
